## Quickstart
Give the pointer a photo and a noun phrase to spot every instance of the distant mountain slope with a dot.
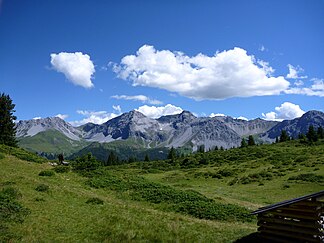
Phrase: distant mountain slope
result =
(35, 126)
(50, 143)
(53, 135)
(296, 126)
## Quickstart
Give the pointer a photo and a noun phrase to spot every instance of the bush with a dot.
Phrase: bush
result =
(214, 211)
(184, 201)
(42, 188)
(95, 200)
(61, 169)
(308, 177)
(10, 209)
(254, 177)
(46, 173)
(86, 163)
(1, 156)
(21, 154)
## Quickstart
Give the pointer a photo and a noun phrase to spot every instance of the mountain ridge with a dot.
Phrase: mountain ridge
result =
(179, 130)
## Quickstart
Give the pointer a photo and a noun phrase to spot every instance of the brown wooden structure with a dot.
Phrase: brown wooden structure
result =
(297, 220)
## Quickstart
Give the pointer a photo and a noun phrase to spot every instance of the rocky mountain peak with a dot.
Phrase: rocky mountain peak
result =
(35, 126)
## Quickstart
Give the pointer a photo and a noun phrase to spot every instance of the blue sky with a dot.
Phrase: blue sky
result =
(88, 61)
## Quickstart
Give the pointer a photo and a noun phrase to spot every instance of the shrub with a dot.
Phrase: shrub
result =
(39, 199)
(10, 209)
(11, 193)
(21, 154)
(61, 169)
(95, 200)
(86, 163)
(1, 156)
(184, 201)
(46, 173)
(214, 211)
(42, 188)
(308, 177)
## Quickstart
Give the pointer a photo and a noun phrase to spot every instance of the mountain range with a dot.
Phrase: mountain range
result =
(133, 131)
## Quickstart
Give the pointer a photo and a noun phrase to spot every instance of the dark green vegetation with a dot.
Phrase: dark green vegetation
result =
(203, 197)
(7, 121)
(21, 154)
(126, 150)
(11, 211)
(51, 143)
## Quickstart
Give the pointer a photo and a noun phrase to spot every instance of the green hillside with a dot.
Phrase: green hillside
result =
(51, 143)
(204, 197)
(124, 149)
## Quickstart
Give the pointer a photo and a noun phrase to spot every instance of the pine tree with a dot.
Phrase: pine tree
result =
(112, 159)
(277, 140)
(320, 132)
(201, 149)
(243, 143)
(284, 136)
(146, 159)
(311, 134)
(7, 124)
(251, 141)
(172, 154)
(216, 148)
(131, 159)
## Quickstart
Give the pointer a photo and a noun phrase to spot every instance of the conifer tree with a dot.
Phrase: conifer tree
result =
(311, 134)
(146, 159)
(112, 159)
(320, 132)
(243, 143)
(277, 140)
(251, 141)
(7, 124)
(201, 149)
(172, 154)
(284, 136)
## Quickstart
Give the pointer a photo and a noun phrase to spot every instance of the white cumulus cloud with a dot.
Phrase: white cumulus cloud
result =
(117, 108)
(96, 117)
(216, 114)
(62, 116)
(286, 111)
(294, 72)
(316, 89)
(156, 112)
(242, 118)
(77, 67)
(226, 74)
(141, 98)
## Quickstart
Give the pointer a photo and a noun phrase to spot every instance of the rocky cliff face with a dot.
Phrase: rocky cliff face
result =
(35, 126)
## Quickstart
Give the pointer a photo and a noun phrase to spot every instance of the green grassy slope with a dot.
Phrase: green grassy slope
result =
(61, 214)
(52, 142)
(251, 177)
(182, 200)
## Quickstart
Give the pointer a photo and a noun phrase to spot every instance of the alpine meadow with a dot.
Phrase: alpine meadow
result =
(162, 121)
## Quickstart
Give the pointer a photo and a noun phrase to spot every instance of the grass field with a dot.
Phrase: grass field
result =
(177, 201)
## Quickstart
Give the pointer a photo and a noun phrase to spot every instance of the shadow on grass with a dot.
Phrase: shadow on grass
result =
(251, 238)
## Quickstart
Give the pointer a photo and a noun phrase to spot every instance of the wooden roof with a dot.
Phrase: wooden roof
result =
(287, 202)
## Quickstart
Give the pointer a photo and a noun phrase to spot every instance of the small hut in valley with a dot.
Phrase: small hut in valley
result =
(297, 220)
